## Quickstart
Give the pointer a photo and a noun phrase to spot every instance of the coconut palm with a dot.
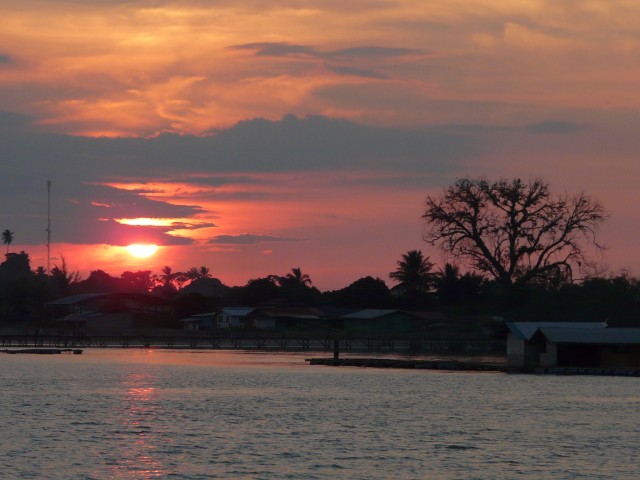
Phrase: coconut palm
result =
(168, 276)
(7, 238)
(195, 273)
(414, 272)
(295, 278)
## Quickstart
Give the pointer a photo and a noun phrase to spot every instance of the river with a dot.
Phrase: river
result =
(166, 414)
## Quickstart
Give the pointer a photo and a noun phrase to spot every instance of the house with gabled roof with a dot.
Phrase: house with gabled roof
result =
(377, 321)
(106, 313)
(289, 317)
(224, 318)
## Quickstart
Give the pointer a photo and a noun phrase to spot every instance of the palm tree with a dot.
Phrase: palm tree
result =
(295, 278)
(195, 273)
(7, 238)
(168, 276)
(205, 272)
(414, 272)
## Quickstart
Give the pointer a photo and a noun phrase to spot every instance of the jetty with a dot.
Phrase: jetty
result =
(43, 351)
(451, 365)
(470, 366)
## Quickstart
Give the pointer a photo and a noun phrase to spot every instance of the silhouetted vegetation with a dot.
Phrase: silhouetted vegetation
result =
(513, 231)
(7, 238)
(24, 293)
(367, 292)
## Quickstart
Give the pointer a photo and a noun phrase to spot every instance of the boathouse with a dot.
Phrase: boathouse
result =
(607, 348)
(572, 344)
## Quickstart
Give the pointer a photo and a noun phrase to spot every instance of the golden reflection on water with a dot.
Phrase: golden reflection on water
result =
(139, 429)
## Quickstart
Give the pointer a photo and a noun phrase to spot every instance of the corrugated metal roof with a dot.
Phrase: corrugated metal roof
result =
(526, 330)
(370, 313)
(74, 299)
(616, 336)
(237, 311)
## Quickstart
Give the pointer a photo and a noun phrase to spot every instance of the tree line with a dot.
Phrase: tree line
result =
(515, 249)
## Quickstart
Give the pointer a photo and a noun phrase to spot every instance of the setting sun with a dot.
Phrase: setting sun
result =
(142, 250)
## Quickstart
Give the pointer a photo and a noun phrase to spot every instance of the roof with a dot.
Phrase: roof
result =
(370, 313)
(237, 311)
(526, 330)
(593, 336)
(142, 298)
(292, 312)
(75, 299)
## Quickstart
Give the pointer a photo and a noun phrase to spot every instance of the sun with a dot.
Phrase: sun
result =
(142, 250)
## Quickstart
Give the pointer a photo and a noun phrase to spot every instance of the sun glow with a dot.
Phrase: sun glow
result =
(142, 250)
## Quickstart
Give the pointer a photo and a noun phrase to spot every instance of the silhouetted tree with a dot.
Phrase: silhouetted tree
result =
(170, 281)
(296, 287)
(367, 292)
(137, 282)
(192, 303)
(414, 272)
(168, 276)
(195, 273)
(21, 298)
(513, 230)
(458, 291)
(7, 238)
(295, 278)
(16, 266)
(257, 291)
(99, 281)
(62, 278)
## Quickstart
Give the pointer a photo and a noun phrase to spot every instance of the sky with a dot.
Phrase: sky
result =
(252, 137)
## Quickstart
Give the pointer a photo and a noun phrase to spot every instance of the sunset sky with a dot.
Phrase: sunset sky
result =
(256, 136)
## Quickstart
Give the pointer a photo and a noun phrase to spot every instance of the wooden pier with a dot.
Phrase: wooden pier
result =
(467, 366)
(447, 365)
(43, 351)
(248, 341)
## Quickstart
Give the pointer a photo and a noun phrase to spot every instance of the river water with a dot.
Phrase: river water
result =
(136, 414)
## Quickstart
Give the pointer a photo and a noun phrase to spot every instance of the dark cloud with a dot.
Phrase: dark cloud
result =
(10, 122)
(376, 52)
(110, 232)
(80, 169)
(4, 58)
(358, 72)
(276, 49)
(103, 201)
(555, 126)
(249, 239)
(212, 180)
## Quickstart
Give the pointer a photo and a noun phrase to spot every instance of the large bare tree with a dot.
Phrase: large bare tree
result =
(513, 230)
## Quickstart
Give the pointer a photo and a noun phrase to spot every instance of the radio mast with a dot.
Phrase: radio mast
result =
(48, 227)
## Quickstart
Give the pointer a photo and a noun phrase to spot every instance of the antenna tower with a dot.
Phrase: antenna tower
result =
(48, 227)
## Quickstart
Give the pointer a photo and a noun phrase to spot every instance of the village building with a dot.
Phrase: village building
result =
(572, 344)
(379, 321)
(107, 313)
(224, 318)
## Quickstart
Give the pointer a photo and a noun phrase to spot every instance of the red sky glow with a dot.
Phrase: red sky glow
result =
(253, 137)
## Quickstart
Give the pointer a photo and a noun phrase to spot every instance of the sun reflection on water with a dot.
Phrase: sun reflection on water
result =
(140, 430)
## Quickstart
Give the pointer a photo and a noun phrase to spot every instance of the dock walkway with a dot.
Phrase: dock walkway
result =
(467, 366)
(456, 365)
